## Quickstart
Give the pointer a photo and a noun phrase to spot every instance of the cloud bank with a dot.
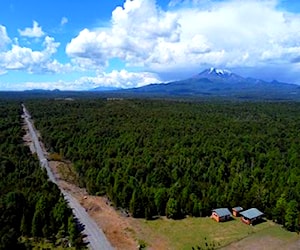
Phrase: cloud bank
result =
(26, 59)
(117, 79)
(187, 35)
(224, 33)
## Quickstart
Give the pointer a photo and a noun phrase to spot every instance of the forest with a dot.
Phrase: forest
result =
(179, 158)
(31, 207)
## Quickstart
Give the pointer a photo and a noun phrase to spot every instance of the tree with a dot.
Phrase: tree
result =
(160, 200)
(27, 199)
(226, 154)
(280, 210)
(60, 213)
(25, 226)
(9, 240)
(39, 218)
(292, 216)
(72, 231)
(173, 209)
(136, 206)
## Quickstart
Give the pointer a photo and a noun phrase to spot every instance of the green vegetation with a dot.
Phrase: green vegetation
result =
(206, 233)
(171, 158)
(32, 210)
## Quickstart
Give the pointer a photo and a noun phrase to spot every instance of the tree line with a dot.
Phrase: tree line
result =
(158, 157)
(32, 208)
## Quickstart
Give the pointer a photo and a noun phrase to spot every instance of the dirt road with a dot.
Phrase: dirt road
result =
(94, 235)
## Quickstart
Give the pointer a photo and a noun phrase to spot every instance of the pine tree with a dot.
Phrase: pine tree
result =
(291, 217)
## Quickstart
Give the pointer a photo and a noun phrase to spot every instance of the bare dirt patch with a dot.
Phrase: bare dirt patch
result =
(116, 227)
(264, 242)
(27, 139)
(123, 231)
(127, 233)
(153, 239)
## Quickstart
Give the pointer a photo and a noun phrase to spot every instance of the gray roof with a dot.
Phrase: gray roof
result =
(251, 213)
(238, 209)
(222, 212)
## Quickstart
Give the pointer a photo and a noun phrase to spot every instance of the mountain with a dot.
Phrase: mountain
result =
(221, 83)
(42, 90)
(222, 75)
(104, 88)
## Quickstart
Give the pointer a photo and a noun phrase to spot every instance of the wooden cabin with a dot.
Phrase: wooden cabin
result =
(251, 216)
(221, 214)
(236, 211)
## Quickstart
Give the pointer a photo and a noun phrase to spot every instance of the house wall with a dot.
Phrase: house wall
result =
(223, 218)
(248, 222)
(219, 219)
(235, 213)
(215, 217)
(256, 220)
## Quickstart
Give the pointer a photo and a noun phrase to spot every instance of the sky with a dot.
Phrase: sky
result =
(80, 45)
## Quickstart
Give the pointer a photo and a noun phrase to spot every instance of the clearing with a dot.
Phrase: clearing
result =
(127, 233)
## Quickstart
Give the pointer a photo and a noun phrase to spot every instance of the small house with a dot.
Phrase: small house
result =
(221, 214)
(236, 211)
(251, 216)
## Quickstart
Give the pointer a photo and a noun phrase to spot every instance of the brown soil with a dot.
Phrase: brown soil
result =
(122, 231)
(153, 240)
(116, 227)
(263, 243)
(27, 139)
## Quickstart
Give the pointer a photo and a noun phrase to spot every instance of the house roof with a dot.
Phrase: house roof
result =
(222, 212)
(251, 213)
(237, 209)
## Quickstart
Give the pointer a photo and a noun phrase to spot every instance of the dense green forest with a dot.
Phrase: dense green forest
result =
(156, 157)
(31, 208)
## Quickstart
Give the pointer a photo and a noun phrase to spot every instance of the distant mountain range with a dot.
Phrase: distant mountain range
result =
(220, 83)
(105, 88)
(211, 82)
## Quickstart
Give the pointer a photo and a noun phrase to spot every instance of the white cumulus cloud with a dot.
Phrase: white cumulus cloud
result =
(26, 59)
(223, 33)
(137, 28)
(4, 39)
(119, 79)
(34, 32)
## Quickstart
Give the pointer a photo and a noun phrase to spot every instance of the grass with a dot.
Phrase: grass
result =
(65, 169)
(44, 244)
(205, 232)
(277, 232)
(67, 172)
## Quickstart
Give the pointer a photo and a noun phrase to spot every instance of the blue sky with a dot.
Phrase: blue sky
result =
(78, 45)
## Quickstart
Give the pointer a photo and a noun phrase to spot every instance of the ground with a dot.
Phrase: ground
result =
(273, 238)
(125, 232)
(116, 228)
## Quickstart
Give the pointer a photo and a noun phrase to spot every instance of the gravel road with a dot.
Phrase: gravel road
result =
(94, 235)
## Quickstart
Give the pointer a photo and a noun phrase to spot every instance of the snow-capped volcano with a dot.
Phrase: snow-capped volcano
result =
(220, 75)
(215, 82)
(215, 72)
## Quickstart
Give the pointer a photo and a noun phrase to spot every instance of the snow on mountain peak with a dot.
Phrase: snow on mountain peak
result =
(219, 71)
